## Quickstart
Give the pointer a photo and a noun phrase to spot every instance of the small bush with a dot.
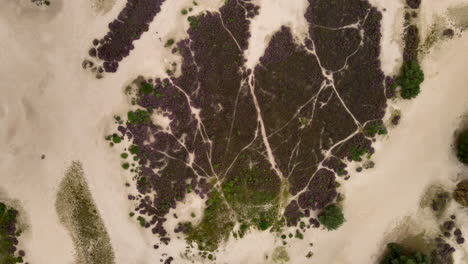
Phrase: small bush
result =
(410, 78)
(462, 147)
(193, 21)
(147, 88)
(138, 117)
(397, 255)
(169, 43)
(331, 217)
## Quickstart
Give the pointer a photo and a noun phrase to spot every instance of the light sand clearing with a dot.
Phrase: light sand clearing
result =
(50, 106)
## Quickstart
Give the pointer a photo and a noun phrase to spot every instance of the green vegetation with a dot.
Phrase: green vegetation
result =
(77, 211)
(146, 88)
(193, 21)
(139, 117)
(125, 166)
(253, 196)
(356, 152)
(331, 217)
(299, 235)
(141, 220)
(460, 194)
(280, 255)
(397, 255)
(411, 77)
(169, 43)
(116, 139)
(462, 147)
(124, 155)
(375, 129)
(133, 149)
(8, 220)
(215, 225)
(184, 11)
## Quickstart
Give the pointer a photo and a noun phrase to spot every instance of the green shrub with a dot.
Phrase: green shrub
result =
(138, 117)
(331, 217)
(169, 43)
(397, 255)
(193, 21)
(411, 77)
(147, 88)
(116, 139)
(462, 147)
(133, 149)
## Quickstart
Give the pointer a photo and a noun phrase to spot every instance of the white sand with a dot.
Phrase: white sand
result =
(50, 106)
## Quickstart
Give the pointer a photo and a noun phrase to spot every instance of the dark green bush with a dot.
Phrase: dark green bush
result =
(462, 147)
(397, 255)
(147, 88)
(169, 43)
(331, 217)
(411, 77)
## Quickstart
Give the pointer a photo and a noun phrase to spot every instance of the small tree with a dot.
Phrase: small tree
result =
(410, 79)
(331, 217)
(462, 147)
(397, 255)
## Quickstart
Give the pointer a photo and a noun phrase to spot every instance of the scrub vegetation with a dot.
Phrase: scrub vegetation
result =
(240, 151)
(78, 212)
(462, 147)
(9, 234)
(331, 217)
(396, 254)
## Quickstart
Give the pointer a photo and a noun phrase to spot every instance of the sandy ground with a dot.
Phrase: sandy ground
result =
(50, 105)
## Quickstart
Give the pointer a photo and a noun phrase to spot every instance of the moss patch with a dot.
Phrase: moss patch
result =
(216, 224)
(77, 211)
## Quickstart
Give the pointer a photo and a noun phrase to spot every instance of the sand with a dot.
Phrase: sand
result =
(51, 106)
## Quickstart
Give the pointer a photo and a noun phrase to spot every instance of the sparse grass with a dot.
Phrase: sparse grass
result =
(280, 255)
(215, 225)
(77, 211)
(253, 204)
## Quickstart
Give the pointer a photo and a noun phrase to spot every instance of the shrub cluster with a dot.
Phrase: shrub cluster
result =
(410, 79)
(331, 217)
(462, 147)
(397, 255)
